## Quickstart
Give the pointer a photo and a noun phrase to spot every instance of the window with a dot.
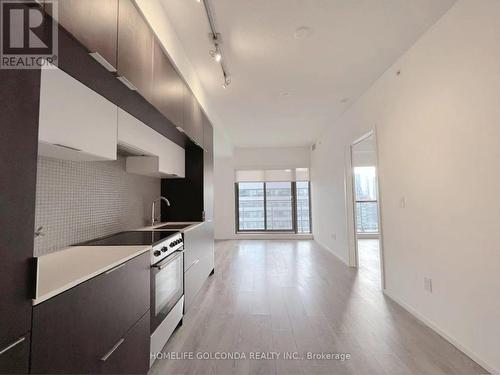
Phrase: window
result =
(279, 199)
(365, 182)
(303, 207)
(272, 205)
(251, 206)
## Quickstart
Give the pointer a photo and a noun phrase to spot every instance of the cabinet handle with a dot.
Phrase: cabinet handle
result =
(114, 269)
(108, 354)
(8, 347)
(127, 83)
(192, 264)
(68, 147)
(101, 60)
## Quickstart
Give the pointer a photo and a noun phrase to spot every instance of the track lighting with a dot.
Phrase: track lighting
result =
(215, 37)
(216, 54)
(227, 82)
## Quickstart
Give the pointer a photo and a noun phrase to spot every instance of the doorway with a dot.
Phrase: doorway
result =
(366, 209)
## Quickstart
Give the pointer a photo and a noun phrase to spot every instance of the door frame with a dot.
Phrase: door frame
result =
(351, 207)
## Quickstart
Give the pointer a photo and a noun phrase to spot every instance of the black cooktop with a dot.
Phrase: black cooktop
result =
(145, 237)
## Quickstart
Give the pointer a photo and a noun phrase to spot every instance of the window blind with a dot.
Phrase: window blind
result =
(272, 175)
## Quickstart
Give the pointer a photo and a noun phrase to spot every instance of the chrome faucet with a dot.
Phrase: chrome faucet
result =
(153, 218)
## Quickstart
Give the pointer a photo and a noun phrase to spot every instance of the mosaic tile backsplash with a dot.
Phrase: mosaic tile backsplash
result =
(79, 201)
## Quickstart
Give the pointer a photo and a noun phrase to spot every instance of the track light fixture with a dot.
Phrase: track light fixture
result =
(216, 53)
(227, 81)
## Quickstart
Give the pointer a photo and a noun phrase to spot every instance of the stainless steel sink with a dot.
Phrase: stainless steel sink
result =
(174, 226)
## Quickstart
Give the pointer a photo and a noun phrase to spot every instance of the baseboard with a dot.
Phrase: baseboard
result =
(266, 236)
(332, 252)
(432, 325)
(272, 236)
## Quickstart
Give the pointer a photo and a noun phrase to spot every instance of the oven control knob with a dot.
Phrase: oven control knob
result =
(172, 244)
(157, 253)
(163, 249)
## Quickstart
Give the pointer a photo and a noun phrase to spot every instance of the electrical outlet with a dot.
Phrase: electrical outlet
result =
(334, 236)
(428, 284)
(402, 202)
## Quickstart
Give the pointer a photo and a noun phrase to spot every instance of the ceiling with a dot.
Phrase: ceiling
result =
(285, 89)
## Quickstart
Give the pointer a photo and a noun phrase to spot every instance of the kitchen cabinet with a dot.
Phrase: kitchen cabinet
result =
(19, 103)
(208, 169)
(94, 23)
(160, 156)
(77, 126)
(193, 119)
(14, 356)
(186, 194)
(194, 278)
(129, 356)
(168, 87)
(198, 259)
(74, 331)
(135, 49)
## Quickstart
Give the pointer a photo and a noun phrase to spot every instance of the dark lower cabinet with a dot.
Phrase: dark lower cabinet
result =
(76, 331)
(14, 356)
(131, 355)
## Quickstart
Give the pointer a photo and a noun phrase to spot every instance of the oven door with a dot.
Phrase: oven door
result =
(167, 286)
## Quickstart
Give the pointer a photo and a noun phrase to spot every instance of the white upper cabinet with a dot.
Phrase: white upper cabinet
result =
(76, 123)
(162, 157)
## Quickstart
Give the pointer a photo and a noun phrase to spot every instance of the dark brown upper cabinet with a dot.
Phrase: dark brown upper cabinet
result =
(18, 163)
(168, 87)
(193, 118)
(208, 169)
(94, 23)
(135, 49)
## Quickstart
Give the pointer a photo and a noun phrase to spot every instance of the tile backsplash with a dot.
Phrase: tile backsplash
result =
(79, 201)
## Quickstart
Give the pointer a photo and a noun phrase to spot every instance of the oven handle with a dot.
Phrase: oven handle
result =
(169, 260)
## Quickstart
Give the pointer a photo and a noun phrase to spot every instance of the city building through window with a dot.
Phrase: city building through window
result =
(281, 206)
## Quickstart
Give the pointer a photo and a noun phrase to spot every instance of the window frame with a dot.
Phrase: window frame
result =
(293, 187)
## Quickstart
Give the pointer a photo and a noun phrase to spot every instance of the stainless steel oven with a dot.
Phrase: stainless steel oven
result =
(167, 291)
(167, 278)
(167, 286)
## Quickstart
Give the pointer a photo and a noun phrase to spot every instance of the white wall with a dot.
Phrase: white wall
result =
(227, 159)
(438, 132)
(272, 157)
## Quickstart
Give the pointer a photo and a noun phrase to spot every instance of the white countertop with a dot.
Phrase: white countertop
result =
(66, 268)
(193, 225)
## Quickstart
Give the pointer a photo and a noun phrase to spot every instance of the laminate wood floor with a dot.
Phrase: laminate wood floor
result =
(295, 297)
(369, 261)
